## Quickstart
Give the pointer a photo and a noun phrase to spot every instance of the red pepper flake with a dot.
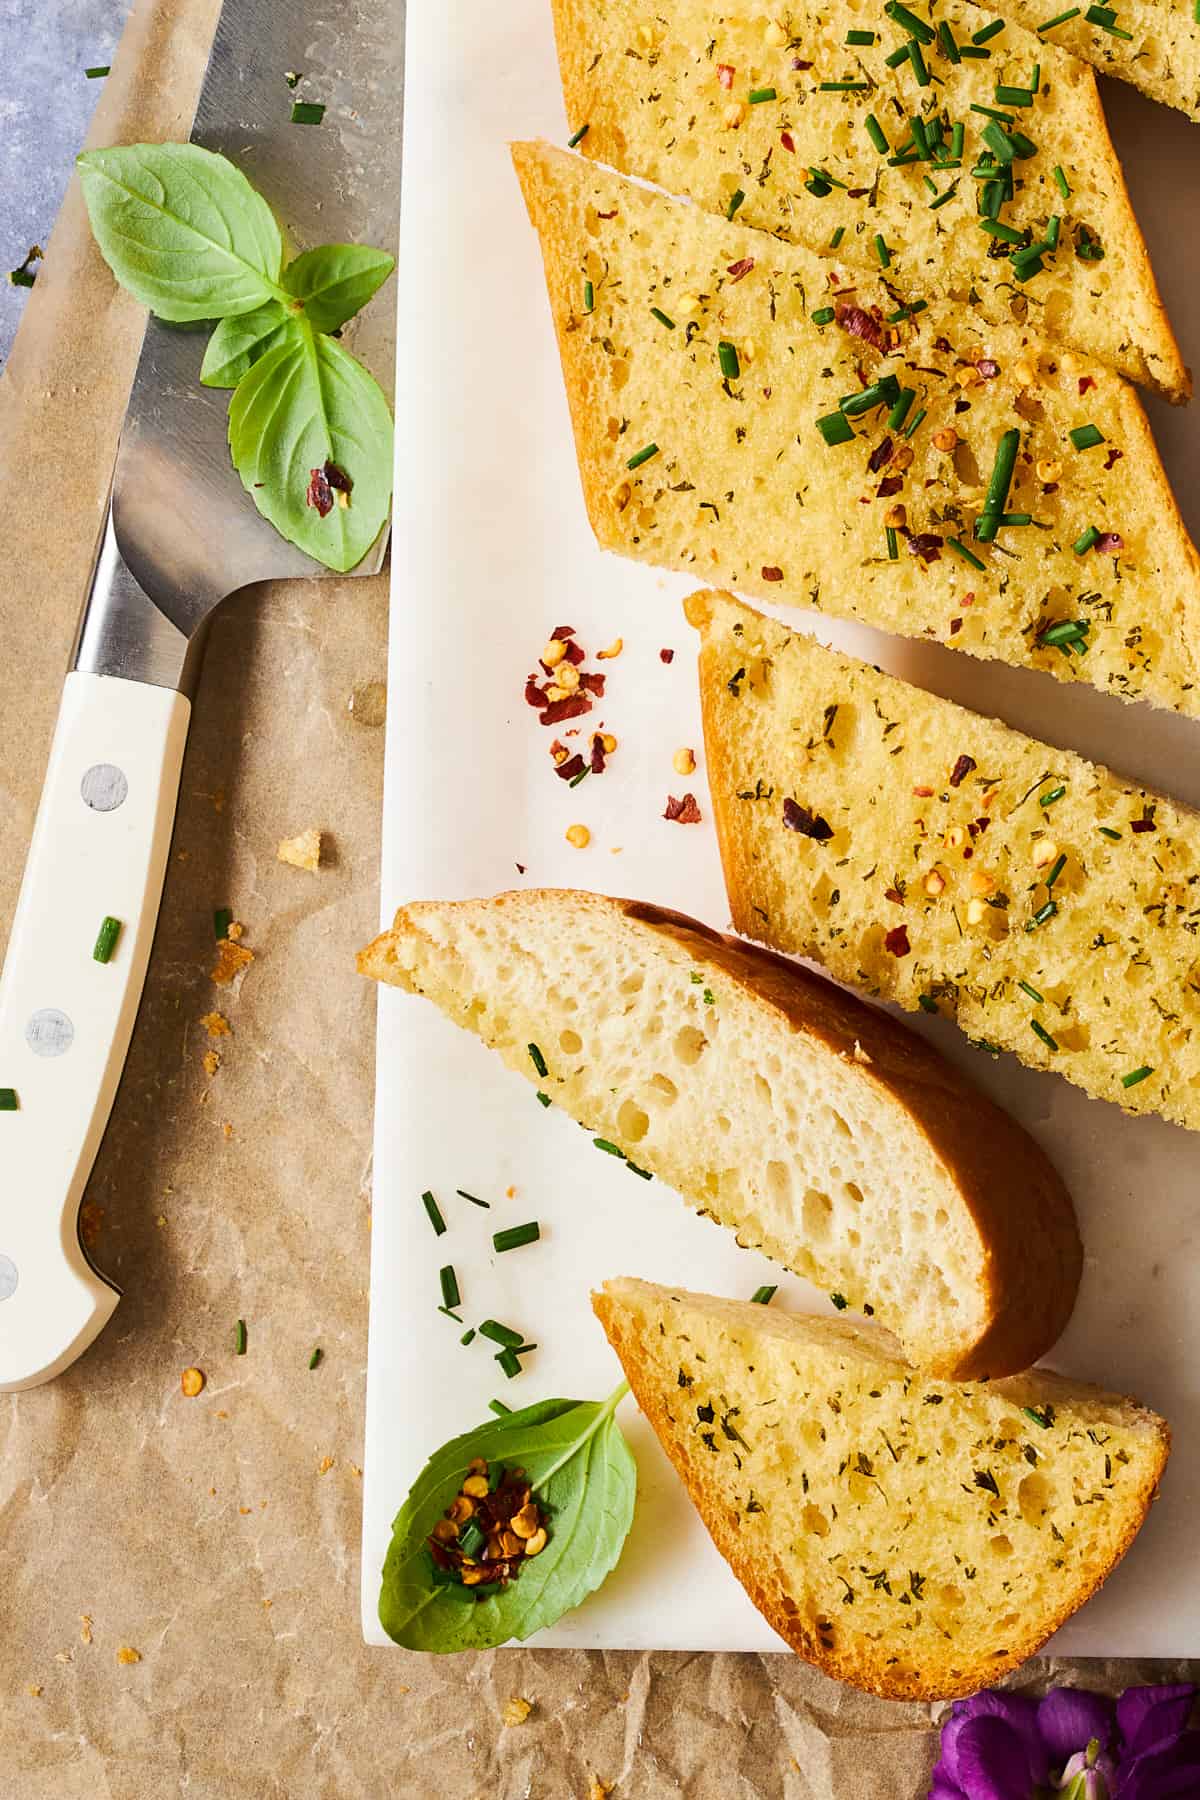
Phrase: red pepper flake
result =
(738, 269)
(955, 626)
(610, 215)
(798, 64)
(570, 708)
(961, 770)
(534, 695)
(682, 812)
(771, 573)
(1086, 382)
(968, 599)
(666, 656)
(573, 766)
(1145, 823)
(881, 456)
(925, 544)
(574, 654)
(594, 683)
(1113, 456)
(944, 345)
(894, 895)
(923, 793)
(860, 324)
(338, 478)
(725, 74)
(563, 632)
(891, 484)
(982, 824)
(320, 493)
(988, 368)
(596, 760)
(788, 141)
(897, 942)
(808, 823)
(1109, 542)
(856, 193)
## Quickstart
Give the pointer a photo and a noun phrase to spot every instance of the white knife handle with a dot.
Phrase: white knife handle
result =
(99, 849)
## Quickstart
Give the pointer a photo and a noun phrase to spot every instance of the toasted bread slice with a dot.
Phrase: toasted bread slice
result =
(913, 1538)
(1047, 905)
(728, 475)
(1155, 45)
(775, 107)
(814, 1126)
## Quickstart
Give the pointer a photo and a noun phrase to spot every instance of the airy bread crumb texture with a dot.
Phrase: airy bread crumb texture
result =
(1047, 905)
(727, 475)
(303, 852)
(914, 1538)
(713, 104)
(813, 1126)
(1158, 49)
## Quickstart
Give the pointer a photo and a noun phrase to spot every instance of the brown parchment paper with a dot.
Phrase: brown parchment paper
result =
(218, 1537)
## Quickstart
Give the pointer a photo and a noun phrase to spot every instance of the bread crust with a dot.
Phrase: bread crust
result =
(1018, 1205)
(870, 1672)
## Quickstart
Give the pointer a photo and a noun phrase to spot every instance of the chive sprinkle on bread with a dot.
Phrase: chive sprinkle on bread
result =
(939, 859)
(913, 1538)
(1154, 44)
(742, 412)
(966, 156)
(816, 1127)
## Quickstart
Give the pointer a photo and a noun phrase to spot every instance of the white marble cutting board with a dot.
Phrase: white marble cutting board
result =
(491, 549)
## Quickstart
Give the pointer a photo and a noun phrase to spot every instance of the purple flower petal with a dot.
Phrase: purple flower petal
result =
(1147, 1715)
(1069, 1718)
(993, 1763)
(1167, 1772)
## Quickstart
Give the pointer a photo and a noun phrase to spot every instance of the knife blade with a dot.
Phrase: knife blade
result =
(181, 534)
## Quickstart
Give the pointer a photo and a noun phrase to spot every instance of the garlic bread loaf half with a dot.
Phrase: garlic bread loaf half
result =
(963, 155)
(912, 1537)
(939, 859)
(815, 1127)
(778, 424)
(1152, 44)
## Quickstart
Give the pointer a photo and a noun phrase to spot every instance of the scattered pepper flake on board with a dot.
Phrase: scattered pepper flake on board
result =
(666, 656)
(191, 1383)
(682, 812)
(232, 958)
(127, 1655)
(324, 1466)
(516, 1711)
(303, 852)
(896, 941)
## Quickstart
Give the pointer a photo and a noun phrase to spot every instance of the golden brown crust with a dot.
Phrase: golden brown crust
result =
(862, 1671)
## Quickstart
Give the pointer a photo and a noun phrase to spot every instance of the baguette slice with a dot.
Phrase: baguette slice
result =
(1158, 49)
(960, 864)
(664, 91)
(744, 491)
(812, 1125)
(915, 1539)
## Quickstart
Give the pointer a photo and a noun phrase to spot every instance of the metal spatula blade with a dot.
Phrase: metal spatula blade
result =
(181, 535)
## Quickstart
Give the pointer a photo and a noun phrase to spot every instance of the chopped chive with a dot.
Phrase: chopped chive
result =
(500, 1334)
(900, 411)
(471, 1539)
(608, 1148)
(1026, 988)
(957, 140)
(222, 920)
(1041, 915)
(1035, 80)
(727, 357)
(543, 1099)
(516, 1236)
(915, 27)
(1023, 146)
(1056, 869)
(824, 315)
(239, 1338)
(1045, 1420)
(824, 178)
(893, 543)
(1051, 795)
(840, 1301)
(316, 1356)
(735, 200)
(538, 1060)
(656, 312)
(1061, 182)
(1039, 1030)
(946, 40)
(8, 1099)
(435, 1213)
(643, 456)
(997, 492)
(1067, 631)
(1086, 437)
(840, 87)
(450, 1294)
(998, 142)
(1058, 19)
(756, 96)
(897, 57)
(927, 1003)
(989, 112)
(1028, 264)
(589, 297)
(468, 1336)
(634, 1169)
(991, 199)
(1013, 96)
(106, 939)
(920, 67)
(968, 556)
(1053, 227)
(576, 779)
(1088, 248)
(100, 69)
(763, 1296)
(942, 198)
(473, 1198)
(1008, 234)
(986, 32)
(1016, 518)
(308, 112)
(577, 137)
(838, 234)
(1106, 19)
(877, 134)
(884, 392)
(902, 160)
(836, 428)
(450, 1315)
(1136, 1075)
(882, 251)
(1108, 832)
(907, 312)
(860, 37)
(909, 429)
(1084, 543)
(499, 1408)
(21, 277)
(510, 1362)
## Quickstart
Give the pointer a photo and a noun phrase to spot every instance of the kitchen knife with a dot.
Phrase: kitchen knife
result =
(181, 535)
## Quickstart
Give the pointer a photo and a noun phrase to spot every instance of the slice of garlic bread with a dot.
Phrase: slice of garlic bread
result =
(1152, 44)
(745, 411)
(914, 1538)
(816, 1127)
(968, 157)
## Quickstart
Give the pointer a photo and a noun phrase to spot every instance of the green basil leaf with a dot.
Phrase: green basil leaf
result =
(584, 1478)
(306, 403)
(336, 281)
(236, 345)
(182, 229)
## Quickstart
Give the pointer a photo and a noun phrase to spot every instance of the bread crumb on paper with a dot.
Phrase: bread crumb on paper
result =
(85, 1628)
(212, 1062)
(216, 1025)
(324, 1466)
(599, 1790)
(192, 1382)
(127, 1654)
(227, 1129)
(232, 958)
(34, 1691)
(303, 852)
(516, 1711)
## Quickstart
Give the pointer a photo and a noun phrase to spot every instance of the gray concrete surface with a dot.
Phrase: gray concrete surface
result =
(46, 102)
